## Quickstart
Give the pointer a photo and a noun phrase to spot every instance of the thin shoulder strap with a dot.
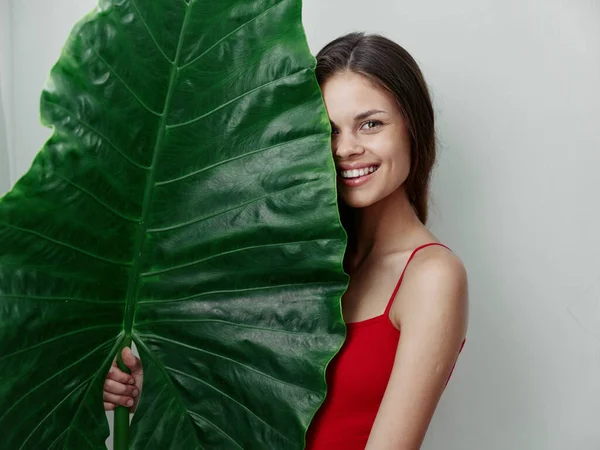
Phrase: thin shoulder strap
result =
(391, 300)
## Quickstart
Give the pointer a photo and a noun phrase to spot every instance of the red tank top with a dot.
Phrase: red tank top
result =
(357, 378)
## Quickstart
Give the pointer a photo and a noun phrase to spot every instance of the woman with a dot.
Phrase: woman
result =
(383, 390)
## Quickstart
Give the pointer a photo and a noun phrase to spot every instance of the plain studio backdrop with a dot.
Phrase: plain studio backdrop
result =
(516, 87)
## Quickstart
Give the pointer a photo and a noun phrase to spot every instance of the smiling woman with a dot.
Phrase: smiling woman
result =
(366, 141)
(383, 389)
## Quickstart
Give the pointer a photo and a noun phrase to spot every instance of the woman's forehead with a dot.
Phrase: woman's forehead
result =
(349, 94)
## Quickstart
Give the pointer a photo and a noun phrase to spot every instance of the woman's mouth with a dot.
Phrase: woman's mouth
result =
(357, 177)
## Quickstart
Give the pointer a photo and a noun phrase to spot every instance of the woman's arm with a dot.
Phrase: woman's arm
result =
(431, 310)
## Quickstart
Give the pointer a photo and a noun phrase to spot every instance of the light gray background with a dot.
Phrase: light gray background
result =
(516, 91)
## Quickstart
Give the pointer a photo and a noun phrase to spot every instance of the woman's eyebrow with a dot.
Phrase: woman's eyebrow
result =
(362, 115)
(368, 113)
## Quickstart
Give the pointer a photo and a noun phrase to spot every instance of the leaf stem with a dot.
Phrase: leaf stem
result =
(121, 420)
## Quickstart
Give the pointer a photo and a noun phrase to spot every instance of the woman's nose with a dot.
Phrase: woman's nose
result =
(345, 147)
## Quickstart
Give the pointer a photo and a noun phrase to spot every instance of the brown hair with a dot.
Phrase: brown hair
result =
(391, 67)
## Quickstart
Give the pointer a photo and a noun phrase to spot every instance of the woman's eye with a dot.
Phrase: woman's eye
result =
(370, 124)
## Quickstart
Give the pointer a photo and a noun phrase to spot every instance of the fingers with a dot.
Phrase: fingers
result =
(120, 388)
(120, 400)
(116, 374)
(113, 387)
(131, 361)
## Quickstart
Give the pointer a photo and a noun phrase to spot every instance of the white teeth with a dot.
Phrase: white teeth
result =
(355, 173)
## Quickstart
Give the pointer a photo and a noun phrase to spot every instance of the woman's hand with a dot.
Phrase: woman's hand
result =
(120, 388)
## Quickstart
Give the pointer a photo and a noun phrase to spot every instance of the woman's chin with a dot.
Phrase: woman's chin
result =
(356, 201)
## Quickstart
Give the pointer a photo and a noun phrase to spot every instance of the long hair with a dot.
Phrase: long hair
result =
(394, 69)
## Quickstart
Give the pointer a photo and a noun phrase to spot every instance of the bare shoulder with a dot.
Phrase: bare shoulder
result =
(436, 265)
(435, 283)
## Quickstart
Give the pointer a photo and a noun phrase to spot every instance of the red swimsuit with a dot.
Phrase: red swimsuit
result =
(357, 378)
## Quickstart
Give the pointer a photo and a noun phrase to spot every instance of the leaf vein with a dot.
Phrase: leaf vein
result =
(217, 214)
(55, 338)
(229, 34)
(84, 436)
(226, 322)
(65, 299)
(94, 197)
(106, 361)
(200, 417)
(187, 375)
(253, 152)
(245, 94)
(35, 388)
(165, 375)
(229, 291)
(133, 286)
(133, 2)
(175, 430)
(156, 428)
(252, 369)
(149, 408)
(230, 252)
(55, 441)
(69, 246)
(51, 411)
(125, 85)
(98, 133)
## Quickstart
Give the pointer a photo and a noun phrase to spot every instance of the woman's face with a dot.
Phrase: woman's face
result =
(370, 142)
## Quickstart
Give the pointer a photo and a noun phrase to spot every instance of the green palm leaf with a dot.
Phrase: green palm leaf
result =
(185, 201)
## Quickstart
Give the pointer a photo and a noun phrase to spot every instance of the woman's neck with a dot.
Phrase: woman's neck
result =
(385, 224)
